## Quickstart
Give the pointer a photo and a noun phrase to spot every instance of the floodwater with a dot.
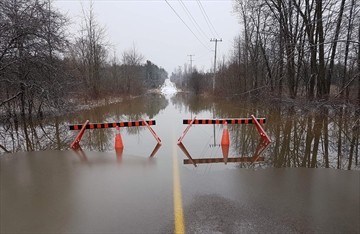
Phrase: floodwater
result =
(315, 135)
(302, 184)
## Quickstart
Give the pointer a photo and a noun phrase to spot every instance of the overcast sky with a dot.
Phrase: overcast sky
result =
(158, 32)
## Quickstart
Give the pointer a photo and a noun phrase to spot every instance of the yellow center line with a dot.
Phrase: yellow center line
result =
(178, 209)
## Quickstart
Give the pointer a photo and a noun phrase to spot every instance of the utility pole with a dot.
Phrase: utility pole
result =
(191, 62)
(216, 41)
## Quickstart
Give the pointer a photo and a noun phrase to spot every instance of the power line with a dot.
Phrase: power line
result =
(207, 18)
(193, 20)
(186, 25)
(190, 17)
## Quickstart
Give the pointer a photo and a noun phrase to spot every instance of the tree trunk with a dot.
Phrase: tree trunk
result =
(358, 65)
(339, 143)
(317, 134)
(321, 83)
(333, 52)
(308, 141)
(326, 138)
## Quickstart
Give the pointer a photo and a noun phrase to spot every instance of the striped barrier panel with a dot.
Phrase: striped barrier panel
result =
(222, 121)
(221, 160)
(113, 125)
(252, 120)
(88, 125)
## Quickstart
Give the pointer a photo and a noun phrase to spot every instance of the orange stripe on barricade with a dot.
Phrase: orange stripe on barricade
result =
(222, 121)
(111, 125)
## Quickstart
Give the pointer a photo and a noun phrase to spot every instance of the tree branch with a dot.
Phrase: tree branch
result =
(13, 97)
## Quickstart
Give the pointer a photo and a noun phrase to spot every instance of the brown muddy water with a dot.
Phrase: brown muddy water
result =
(311, 135)
(303, 184)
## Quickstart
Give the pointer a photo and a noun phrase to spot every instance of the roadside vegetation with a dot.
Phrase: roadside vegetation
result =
(45, 70)
(292, 49)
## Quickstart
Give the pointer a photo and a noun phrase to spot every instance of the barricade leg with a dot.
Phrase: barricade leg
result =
(79, 136)
(153, 132)
(182, 147)
(185, 131)
(261, 131)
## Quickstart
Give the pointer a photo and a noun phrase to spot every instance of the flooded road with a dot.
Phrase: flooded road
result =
(96, 190)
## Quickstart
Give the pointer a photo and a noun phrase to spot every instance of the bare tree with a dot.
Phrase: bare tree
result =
(132, 71)
(358, 62)
(296, 43)
(90, 51)
(32, 39)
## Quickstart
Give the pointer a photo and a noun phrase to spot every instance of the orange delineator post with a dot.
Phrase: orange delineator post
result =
(225, 142)
(261, 131)
(118, 139)
(225, 136)
(79, 136)
(152, 132)
(225, 151)
(185, 131)
(119, 154)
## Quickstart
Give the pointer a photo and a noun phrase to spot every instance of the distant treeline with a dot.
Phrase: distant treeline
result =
(42, 67)
(291, 48)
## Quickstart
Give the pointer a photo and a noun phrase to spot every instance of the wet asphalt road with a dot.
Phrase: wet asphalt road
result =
(60, 192)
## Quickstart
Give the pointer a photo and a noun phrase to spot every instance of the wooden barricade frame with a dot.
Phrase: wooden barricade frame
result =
(88, 125)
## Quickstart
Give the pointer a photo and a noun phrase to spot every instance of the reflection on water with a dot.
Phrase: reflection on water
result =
(62, 192)
(262, 146)
(302, 135)
(90, 158)
(54, 134)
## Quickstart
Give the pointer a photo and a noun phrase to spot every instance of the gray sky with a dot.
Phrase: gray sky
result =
(158, 33)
